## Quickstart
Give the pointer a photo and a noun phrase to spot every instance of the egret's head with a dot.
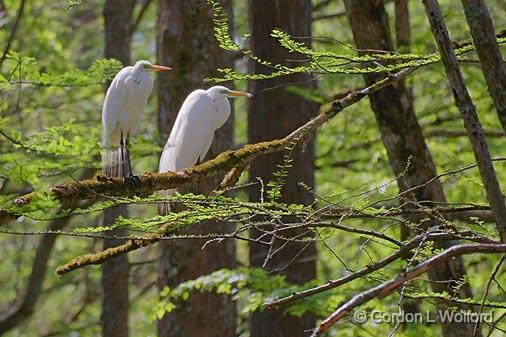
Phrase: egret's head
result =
(223, 92)
(144, 65)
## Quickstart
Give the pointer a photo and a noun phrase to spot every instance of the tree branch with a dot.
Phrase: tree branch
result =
(226, 161)
(402, 252)
(468, 113)
(141, 14)
(492, 64)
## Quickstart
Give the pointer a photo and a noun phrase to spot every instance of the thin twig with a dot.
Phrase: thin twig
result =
(12, 35)
(487, 288)
(140, 16)
(402, 251)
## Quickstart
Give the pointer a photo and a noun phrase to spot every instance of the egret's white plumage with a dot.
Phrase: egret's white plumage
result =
(202, 113)
(123, 109)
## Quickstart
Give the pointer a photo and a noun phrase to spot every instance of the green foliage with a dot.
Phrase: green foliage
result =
(251, 287)
(221, 27)
(198, 208)
(55, 150)
(71, 4)
(447, 297)
(322, 62)
(25, 70)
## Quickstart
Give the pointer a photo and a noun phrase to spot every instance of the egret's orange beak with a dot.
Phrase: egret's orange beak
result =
(239, 94)
(156, 67)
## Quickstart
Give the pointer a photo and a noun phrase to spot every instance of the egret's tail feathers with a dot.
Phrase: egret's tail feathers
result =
(164, 208)
(115, 162)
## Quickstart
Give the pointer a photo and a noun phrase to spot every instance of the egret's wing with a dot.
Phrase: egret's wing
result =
(191, 133)
(206, 148)
(167, 162)
(168, 157)
(114, 105)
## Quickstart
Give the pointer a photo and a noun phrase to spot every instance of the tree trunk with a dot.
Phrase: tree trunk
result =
(492, 64)
(186, 42)
(403, 40)
(402, 26)
(468, 113)
(403, 139)
(273, 114)
(114, 282)
(117, 23)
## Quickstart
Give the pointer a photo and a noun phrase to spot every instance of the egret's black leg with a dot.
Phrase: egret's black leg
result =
(131, 178)
(198, 183)
(122, 156)
(127, 154)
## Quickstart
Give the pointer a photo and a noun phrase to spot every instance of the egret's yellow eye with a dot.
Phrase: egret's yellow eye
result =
(224, 92)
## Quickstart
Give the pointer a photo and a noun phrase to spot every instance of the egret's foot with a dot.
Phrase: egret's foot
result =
(183, 174)
(132, 180)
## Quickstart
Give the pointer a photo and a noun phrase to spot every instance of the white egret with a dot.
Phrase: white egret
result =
(202, 113)
(122, 113)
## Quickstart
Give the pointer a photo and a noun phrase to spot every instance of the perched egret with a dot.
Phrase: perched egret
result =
(122, 113)
(202, 113)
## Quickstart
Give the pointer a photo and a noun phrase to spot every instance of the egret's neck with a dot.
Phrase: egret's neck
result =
(222, 111)
(138, 72)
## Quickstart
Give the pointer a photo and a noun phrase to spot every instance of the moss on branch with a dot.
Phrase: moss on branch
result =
(226, 161)
(231, 161)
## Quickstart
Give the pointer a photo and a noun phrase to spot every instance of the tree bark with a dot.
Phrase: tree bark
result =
(117, 23)
(403, 41)
(185, 40)
(402, 26)
(492, 64)
(273, 113)
(403, 139)
(468, 113)
(114, 282)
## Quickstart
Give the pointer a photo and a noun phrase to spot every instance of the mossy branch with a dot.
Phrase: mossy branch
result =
(149, 182)
(227, 161)
(107, 254)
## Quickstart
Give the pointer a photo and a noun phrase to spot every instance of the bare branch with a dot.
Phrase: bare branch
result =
(402, 252)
